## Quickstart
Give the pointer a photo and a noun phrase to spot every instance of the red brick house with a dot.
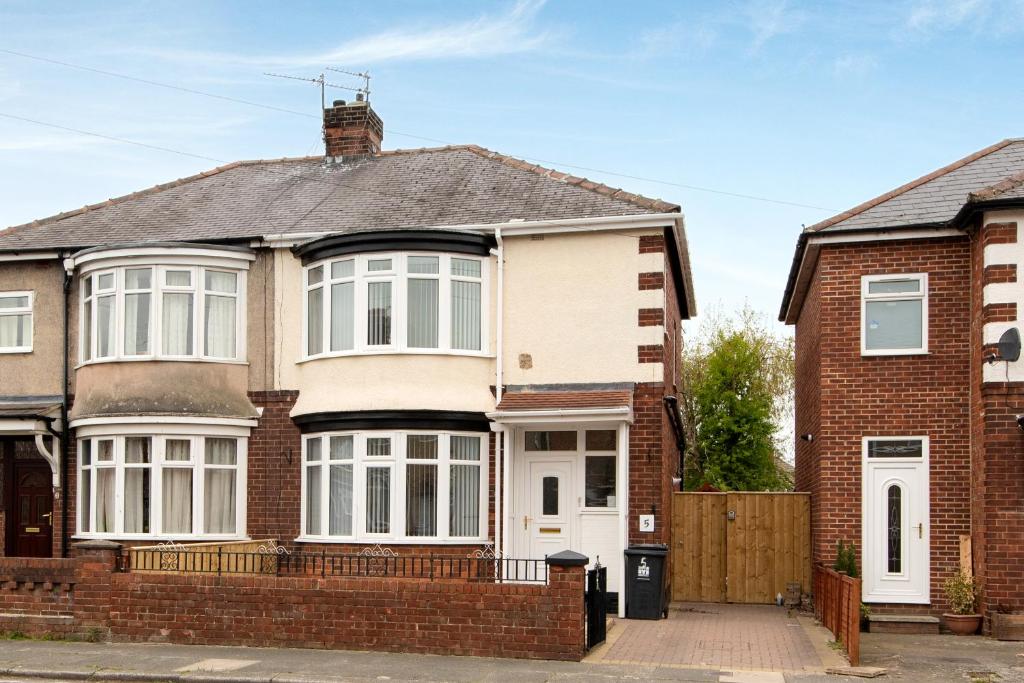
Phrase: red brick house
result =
(434, 351)
(908, 437)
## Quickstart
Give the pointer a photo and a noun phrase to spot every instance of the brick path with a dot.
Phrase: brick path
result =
(727, 637)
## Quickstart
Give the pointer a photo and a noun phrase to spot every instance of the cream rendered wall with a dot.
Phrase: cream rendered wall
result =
(372, 382)
(1004, 292)
(571, 305)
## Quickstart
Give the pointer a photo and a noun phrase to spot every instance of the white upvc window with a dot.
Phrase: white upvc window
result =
(155, 485)
(16, 322)
(394, 486)
(894, 314)
(167, 312)
(396, 303)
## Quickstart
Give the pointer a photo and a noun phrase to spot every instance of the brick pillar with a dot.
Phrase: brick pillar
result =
(95, 564)
(567, 578)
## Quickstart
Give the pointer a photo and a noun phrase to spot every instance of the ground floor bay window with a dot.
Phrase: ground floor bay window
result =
(394, 486)
(161, 481)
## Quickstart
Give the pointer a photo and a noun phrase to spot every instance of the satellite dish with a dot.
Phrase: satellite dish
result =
(1009, 345)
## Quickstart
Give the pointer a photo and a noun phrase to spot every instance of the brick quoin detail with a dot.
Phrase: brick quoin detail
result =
(650, 353)
(655, 280)
(999, 233)
(650, 317)
(1004, 272)
(999, 313)
(652, 244)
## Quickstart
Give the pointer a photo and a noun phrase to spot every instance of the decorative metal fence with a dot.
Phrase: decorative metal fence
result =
(374, 562)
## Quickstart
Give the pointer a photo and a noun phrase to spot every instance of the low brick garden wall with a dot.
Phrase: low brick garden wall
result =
(36, 595)
(452, 616)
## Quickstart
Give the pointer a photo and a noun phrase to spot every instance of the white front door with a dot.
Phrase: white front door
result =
(896, 548)
(548, 523)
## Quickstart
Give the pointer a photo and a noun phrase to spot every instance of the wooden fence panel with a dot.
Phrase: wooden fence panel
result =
(698, 553)
(747, 559)
(837, 607)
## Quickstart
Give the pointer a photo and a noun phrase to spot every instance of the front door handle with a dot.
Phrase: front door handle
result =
(49, 517)
(526, 521)
(920, 530)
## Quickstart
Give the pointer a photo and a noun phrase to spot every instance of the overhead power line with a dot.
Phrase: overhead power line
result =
(261, 105)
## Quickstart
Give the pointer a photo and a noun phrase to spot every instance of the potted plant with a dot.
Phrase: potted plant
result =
(962, 595)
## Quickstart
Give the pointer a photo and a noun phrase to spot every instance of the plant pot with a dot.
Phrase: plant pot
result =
(962, 624)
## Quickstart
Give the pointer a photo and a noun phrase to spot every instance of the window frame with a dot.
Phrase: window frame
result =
(397, 463)
(158, 435)
(19, 311)
(866, 297)
(399, 277)
(197, 289)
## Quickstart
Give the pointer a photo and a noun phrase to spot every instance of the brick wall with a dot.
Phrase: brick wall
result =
(36, 595)
(275, 468)
(808, 406)
(886, 395)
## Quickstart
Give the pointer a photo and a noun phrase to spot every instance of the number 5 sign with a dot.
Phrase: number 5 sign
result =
(647, 524)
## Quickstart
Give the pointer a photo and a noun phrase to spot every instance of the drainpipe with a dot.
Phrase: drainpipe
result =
(500, 325)
(500, 457)
(65, 429)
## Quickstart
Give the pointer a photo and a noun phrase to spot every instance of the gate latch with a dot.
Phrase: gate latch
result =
(731, 515)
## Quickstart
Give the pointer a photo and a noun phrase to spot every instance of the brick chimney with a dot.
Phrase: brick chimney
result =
(352, 129)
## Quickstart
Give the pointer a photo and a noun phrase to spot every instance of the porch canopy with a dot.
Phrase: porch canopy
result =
(531, 406)
(38, 417)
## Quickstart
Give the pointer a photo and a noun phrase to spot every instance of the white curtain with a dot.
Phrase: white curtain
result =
(340, 513)
(220, 326)
(464, 492)
(315, 321)
(465, 315)
(422, 313)
(313, 505)
(136, 324)
(220, 486)
(136, 485)
(177, 323)
(104, 500)
(343, 316)
(177, 489)
(105, 326)
(87, 330)
(14, 331)
(378, 314)
(378, 500)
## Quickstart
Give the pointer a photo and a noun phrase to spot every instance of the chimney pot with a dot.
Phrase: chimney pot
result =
(339, 103)
(359, 97)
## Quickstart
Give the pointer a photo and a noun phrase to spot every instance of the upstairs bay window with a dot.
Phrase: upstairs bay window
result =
(394, 486)
(410, 303)
(163, 312)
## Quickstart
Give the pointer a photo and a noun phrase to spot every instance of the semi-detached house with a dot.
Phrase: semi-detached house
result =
(431, 350)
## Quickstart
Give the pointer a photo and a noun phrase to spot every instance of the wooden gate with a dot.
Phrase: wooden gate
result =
(739, 547)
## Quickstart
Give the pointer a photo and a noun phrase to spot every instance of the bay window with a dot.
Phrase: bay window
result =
(427, 486)
(15, 322)
(163, 312)
(141, 485)
(409, 303)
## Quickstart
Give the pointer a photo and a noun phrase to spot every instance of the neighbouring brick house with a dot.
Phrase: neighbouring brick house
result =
(400, 348)
(908, 437)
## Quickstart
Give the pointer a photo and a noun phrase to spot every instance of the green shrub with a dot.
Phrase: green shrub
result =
(846, 559)
(961, 593)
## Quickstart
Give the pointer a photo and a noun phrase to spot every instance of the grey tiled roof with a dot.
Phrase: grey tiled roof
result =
(400, 189)
(937, 197)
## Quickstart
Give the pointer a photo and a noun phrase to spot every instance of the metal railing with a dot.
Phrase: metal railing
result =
(281, 562)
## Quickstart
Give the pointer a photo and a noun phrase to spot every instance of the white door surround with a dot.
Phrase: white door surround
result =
(895, 520)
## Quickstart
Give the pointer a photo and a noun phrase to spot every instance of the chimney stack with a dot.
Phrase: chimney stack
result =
(352, 129)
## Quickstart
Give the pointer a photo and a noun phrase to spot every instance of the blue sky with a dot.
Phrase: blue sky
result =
(819, 104)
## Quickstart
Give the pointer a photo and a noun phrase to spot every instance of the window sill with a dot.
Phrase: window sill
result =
(150, 359)
(394, 352)
(894, 352)
(17, 349)
(333, 540)
(163, 538)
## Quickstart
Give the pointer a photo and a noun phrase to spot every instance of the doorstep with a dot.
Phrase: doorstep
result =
(903, 623)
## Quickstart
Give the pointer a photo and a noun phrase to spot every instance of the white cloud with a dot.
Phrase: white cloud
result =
(854, 65)
(941, 15)
(487, 35)
(770, 18)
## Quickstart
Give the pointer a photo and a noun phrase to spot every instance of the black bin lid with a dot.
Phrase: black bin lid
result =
(647, 549)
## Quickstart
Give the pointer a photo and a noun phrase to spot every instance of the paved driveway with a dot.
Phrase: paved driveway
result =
(725, 637)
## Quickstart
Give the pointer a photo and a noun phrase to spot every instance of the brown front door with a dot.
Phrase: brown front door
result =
(33, 510)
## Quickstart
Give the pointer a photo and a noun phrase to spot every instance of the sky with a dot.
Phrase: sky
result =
(757, 117)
